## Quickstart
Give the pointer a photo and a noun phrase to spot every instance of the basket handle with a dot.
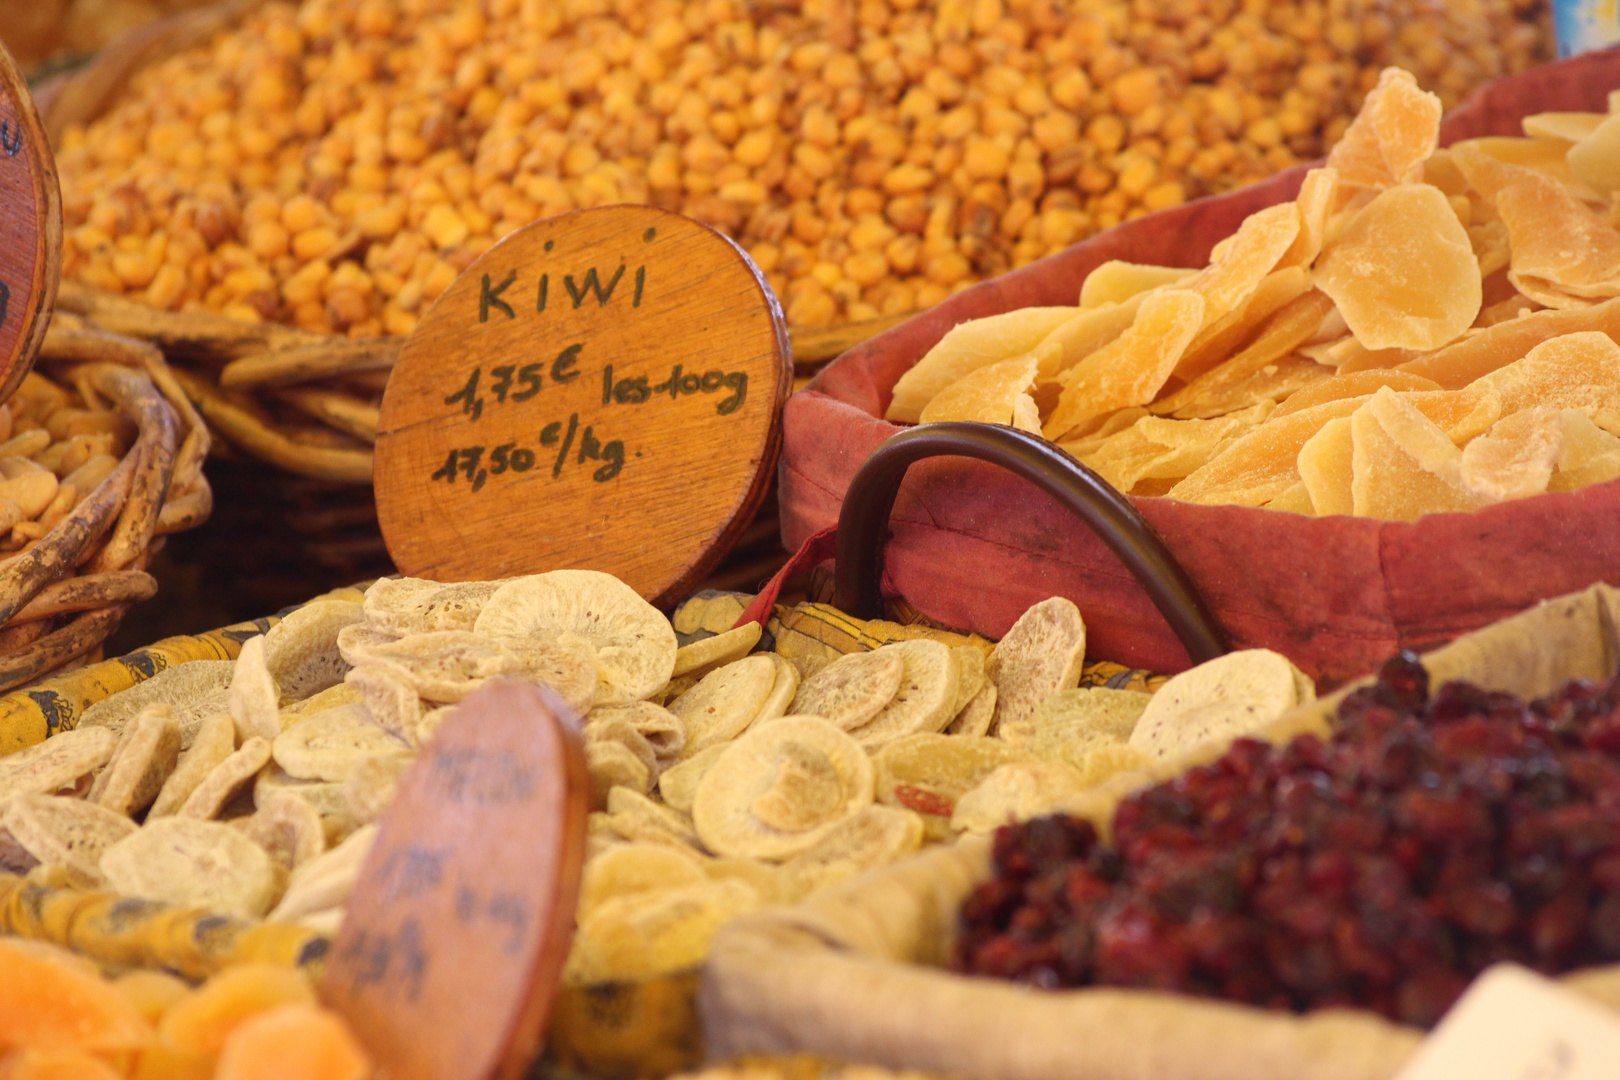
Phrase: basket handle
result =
(864, 520)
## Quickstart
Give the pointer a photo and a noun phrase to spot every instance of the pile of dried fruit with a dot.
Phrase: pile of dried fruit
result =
(722, 778)
(60, 1020)
(336, 163)
(1419, 331)
(1430, 838)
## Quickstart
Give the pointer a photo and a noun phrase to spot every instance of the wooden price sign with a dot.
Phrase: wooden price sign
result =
(600, 390)
(455, 934)
(30, 228)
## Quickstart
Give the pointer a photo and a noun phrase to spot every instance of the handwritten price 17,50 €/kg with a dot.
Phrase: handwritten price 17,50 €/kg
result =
(476, 464)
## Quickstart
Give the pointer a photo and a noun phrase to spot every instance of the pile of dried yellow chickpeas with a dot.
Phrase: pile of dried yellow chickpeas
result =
(335, 164)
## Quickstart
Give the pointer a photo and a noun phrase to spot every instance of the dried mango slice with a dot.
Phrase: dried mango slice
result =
(1133, 369)
(1293, 500)
(1279, 335)
(52, 1000)
(967, 347)
(1251, 253)
(1159, 449)
(1396, 130)
(1347, 355)
(1568, 126)
(293, 1042)
(1324, 465)
(1587, 454)
(1574, 371)
(1315, 199)
(1459, 364)
(1026, 414)
(1353, 384)
(1115, 281)
(1548, 157)
(1515, 460)
(1404, 273)
(1079, 337)
(1595, 157)
(1220, 338)
(1403, 465)
(202, 1023)
(1493, 248)
(1564, 253)
(986, 395)
(1261, 465)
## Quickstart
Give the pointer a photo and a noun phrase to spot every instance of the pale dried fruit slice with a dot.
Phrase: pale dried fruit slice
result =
(415, 605)
(67, 831)
(1404, 273)
(929, 773)
(629, 869)
(1069, 723)
(326, 880)
(853, 689)
(970, 674)
(640, 820)
(568, 669)
(326, 796)
(966, 348)
(781, 787)
(634, 644)
(724, 702)
(330, 698)
(977, 715)
(1041, 654)
(371, 787)
(1325, 468)
(1391, 137)
(1116, 281)
(876, 836)
(617, 729)
(1516, 459)
(288, 829)
(226, 780)
(356, 641)
(146, 755)
(216, 739)
(194, 864)
(661, 729)
(1219, 700)
(1134, 368)
(985, 396)
(254, 702)
(328, 745)
(1106, 761)
(301, 651)
(613, 765)
(678, 784)
(783, 690)
(645, 935)
(389, 700)
(56, 763)
(442, 665)
(1016, 792)
(192, 691)
(926, 698)
(705, 654)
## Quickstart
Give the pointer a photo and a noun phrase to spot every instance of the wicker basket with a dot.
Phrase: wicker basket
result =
(75, 572)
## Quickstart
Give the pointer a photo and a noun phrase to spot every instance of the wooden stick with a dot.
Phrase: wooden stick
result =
(236, 420)
(59, 646)
(136, 395)
(283, 367)
(86, 592)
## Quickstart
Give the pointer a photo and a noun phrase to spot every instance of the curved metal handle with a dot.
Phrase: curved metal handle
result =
(864, 519)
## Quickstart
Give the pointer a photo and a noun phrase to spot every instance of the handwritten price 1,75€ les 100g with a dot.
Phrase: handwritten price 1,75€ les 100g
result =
(559, 439)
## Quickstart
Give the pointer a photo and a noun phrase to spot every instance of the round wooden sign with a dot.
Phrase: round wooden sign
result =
(600, 390)
(454, 937)
(30, 228)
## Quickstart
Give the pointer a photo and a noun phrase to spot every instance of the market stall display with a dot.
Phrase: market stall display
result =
(1349, 590)
(855, 972)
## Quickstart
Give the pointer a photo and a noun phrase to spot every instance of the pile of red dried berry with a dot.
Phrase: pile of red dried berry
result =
(1383, 869)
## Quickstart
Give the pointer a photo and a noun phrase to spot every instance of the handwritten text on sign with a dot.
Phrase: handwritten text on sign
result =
(11, 145)
(565, 442)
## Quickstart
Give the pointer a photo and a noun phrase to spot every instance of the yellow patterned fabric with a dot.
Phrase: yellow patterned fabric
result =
(34, 713)
(122, 932)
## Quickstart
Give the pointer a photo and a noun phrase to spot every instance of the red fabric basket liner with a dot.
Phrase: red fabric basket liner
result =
(972, 546)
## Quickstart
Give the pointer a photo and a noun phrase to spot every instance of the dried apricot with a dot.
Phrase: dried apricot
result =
(203, 1022)
(57, 1065)
(153, 993)
(293, 1042)
(52, 1000)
